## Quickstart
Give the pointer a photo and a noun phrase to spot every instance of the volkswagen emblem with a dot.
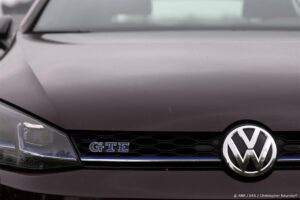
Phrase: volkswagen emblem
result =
(250, 151)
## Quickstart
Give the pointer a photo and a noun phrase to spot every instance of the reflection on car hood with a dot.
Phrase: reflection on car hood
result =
(157, 81)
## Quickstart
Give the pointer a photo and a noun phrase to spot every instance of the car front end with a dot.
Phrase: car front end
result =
(137, 102)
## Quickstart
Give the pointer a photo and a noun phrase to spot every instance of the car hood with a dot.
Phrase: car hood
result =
(156, 81)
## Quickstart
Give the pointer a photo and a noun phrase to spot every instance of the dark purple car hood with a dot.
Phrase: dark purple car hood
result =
(156, 81)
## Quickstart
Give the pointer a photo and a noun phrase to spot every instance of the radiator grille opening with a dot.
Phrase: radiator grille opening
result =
(174, 150)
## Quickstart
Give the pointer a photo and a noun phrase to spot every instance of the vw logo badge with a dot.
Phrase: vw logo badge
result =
(250, 151)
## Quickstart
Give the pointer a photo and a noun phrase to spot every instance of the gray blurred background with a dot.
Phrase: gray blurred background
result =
(16, 9)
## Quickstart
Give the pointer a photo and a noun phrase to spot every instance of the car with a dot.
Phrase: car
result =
(152, 99)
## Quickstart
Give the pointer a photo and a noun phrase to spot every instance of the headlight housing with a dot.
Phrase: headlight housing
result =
(30, 144)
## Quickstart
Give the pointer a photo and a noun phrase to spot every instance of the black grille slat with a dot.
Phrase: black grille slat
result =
(288, 144)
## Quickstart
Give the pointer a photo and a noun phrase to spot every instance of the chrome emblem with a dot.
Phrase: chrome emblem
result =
(250, 151)
(109, 147)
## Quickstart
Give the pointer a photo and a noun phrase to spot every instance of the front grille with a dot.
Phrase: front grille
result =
(288, 146)
(153, 146)
(174, 149)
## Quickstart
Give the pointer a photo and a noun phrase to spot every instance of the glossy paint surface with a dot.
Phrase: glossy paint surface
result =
(138, 184)
(156, 81)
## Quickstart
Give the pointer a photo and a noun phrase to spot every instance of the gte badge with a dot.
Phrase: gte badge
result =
(109, 147)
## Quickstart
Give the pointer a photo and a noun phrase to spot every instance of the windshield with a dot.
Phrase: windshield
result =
(115, 15)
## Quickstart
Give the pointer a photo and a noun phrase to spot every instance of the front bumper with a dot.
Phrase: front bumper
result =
(146, 184)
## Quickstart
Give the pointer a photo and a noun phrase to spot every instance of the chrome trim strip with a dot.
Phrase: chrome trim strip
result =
(288, 159)
(149, 160)
(167, 160)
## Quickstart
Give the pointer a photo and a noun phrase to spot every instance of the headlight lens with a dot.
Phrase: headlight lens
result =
(30, 144)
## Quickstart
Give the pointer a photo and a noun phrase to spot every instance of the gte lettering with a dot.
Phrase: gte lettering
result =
(109, 147)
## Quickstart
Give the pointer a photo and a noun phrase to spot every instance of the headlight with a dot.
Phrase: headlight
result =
(30, 144)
